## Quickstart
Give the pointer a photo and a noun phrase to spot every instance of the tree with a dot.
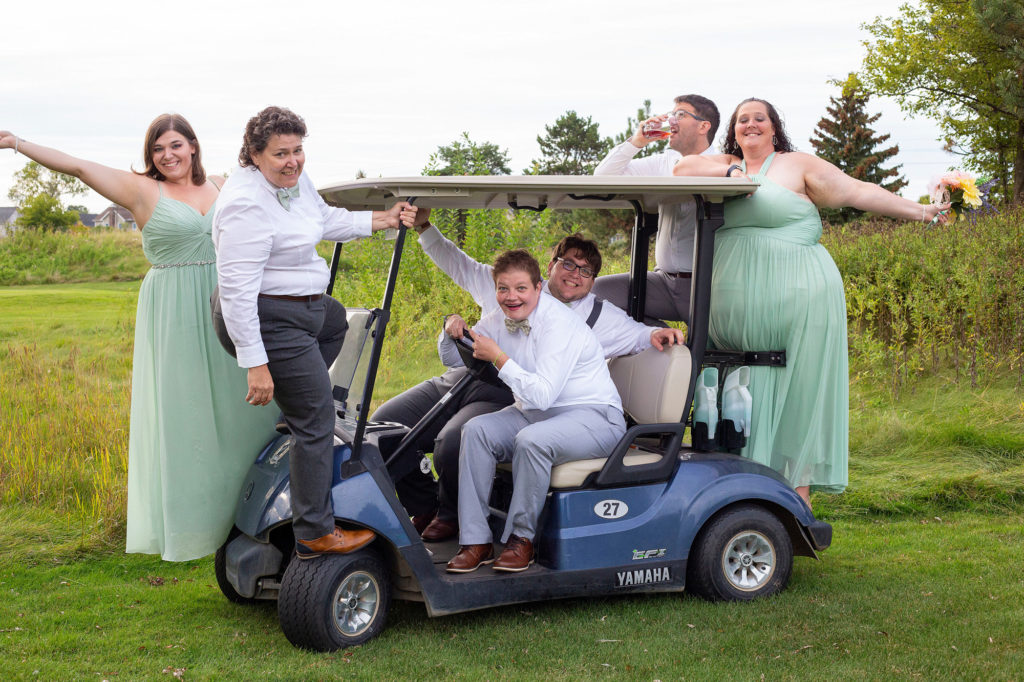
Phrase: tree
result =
(34, 179)
(572, 146)
(44, 212)
(642, 114)
(466, 157)
(845, 138)
(960, 62)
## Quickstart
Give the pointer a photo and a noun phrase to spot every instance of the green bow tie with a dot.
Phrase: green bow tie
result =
(515, 325)
(285, 196)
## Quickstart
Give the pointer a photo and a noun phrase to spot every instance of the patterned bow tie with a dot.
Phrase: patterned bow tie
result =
(285, 196)
(515, 325)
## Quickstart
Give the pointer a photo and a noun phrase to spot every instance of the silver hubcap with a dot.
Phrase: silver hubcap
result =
(748, 560)
(355, 603)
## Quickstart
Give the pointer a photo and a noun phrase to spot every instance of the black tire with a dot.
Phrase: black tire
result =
(743, 553)
(334, 601)
(220, 570)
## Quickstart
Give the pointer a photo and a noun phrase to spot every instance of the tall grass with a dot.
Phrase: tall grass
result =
(920, 298)
(44, 257)
(929, 308)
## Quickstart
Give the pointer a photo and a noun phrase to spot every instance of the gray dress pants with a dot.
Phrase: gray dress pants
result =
(534, 441)
(668, 297)
(417, 491)
(302, 339)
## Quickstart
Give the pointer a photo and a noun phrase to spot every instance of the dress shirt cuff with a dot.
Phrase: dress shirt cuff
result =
(430, 236)
(362, 223)
(251, 356)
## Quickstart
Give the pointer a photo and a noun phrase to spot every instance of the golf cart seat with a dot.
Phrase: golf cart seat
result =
(652, 385)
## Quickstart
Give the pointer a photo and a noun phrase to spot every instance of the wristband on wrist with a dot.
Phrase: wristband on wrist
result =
(16, 141)
(924, 213)
(730, 169)
(499, 358)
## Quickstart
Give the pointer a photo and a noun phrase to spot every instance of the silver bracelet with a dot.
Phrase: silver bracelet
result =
(16, 140)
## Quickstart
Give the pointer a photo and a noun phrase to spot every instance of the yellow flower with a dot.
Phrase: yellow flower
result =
(971, 196)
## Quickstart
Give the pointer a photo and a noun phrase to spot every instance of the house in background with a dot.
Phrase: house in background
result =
(8, 214)
(115, 216)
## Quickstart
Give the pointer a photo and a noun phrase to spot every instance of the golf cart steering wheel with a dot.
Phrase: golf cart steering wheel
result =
(480, 369)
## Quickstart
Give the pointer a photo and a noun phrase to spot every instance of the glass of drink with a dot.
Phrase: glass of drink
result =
(657, 130)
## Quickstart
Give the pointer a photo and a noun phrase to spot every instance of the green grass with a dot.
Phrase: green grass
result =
(892, 598)
(921, 580)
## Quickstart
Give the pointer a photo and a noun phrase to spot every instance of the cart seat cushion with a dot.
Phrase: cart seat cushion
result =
(573, 474)
(653, 384)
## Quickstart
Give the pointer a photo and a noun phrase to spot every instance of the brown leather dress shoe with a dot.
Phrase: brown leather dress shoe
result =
(337, 542)
(471, 557)
(517, 556)
(421, 521)
(440, 530)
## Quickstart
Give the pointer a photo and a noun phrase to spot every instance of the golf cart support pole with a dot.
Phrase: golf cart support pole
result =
(644, 226)
(354, 465)
(710, 217)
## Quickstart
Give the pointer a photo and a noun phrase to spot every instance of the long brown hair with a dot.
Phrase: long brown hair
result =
(782, 143)
(160, 125)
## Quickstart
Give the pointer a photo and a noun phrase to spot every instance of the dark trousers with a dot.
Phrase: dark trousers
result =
(418, 492)
(302, 339)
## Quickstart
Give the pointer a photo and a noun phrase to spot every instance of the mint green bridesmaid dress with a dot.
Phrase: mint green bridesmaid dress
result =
(775, 287)
(192, 434)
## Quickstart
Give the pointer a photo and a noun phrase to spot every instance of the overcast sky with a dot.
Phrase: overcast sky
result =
(382, 84)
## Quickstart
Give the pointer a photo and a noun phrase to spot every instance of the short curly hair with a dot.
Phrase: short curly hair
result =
(517, 259)
(264, 125)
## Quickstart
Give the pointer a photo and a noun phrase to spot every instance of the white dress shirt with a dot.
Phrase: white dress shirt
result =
(543, 369)
(677, 222)
(263, 248)
(617, 332)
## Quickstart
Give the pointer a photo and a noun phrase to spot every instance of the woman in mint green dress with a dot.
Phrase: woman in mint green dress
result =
(775, 287)
(191, 438)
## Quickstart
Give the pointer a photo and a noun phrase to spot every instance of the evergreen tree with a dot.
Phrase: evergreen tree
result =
(845, 138)
(642, 114)
(466, 157)
(571, 146)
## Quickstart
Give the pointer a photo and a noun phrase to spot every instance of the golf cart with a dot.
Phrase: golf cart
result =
(656, 515)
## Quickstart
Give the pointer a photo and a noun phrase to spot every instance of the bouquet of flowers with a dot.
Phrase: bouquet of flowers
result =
(959, 190)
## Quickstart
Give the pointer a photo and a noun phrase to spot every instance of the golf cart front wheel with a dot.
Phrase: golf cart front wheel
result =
(742, 554)
(334, 601)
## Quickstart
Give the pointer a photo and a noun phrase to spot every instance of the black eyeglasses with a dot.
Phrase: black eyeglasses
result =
(570, 266)
(680, 113)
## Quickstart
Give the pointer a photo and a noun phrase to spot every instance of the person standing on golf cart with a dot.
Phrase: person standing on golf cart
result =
(566, 409)
(773, 285)
(273, 315)
(575, 262)
(693, 124)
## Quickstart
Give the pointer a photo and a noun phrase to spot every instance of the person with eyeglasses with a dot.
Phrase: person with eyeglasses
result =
(571, 271)
(693, 122)
(567, 408)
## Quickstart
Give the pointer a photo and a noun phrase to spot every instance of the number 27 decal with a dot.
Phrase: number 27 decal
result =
(611, 509)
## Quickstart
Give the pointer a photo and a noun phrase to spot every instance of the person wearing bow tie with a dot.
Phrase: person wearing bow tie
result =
(271, 313)
(566, 408)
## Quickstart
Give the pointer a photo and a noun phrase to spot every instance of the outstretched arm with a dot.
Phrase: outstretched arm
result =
(121, 187)
(827, 186)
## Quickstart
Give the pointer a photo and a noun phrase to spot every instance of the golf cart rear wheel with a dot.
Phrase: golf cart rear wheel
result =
(334, 601)
(220, 570)
(742, 554)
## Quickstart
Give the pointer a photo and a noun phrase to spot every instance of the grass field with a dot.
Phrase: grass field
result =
(921, 580)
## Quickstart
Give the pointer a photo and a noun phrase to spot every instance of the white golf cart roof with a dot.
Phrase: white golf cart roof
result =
(529, 191)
